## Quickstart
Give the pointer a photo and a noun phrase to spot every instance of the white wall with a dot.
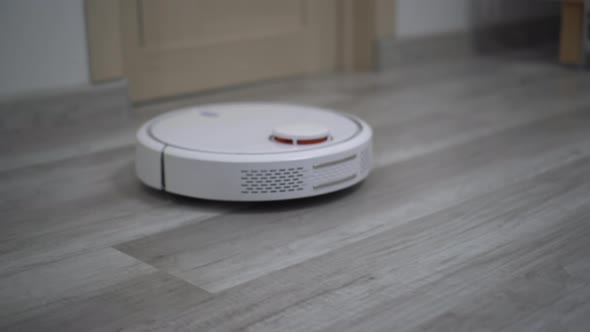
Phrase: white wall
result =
(417, 18)
(43, 45)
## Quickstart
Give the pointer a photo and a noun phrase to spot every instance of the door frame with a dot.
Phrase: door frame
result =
(361, 24)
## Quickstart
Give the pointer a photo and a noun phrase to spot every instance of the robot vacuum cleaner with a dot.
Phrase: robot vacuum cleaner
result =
(253, 152)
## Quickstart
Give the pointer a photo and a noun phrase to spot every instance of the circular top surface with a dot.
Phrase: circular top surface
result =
(301, 130)
(247, 128)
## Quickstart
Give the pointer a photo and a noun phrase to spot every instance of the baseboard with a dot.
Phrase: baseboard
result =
(393, 52)
(58, 108)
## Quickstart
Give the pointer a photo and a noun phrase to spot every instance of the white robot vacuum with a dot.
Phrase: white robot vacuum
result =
(253, 152)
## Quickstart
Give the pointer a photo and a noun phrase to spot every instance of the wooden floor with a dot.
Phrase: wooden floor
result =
(476, 217)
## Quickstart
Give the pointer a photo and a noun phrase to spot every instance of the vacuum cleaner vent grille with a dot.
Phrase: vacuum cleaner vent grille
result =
(271, 181)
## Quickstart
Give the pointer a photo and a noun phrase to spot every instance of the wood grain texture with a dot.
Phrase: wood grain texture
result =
(132, 302)
(474, 219)
(572, 33)
(178, 47)
(385, 17)
(103, 30)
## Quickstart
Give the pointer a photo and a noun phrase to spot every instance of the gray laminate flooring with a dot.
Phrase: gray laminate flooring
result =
(476, 217)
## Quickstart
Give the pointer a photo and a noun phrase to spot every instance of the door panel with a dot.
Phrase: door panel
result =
(181, 46)
(186, 22)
